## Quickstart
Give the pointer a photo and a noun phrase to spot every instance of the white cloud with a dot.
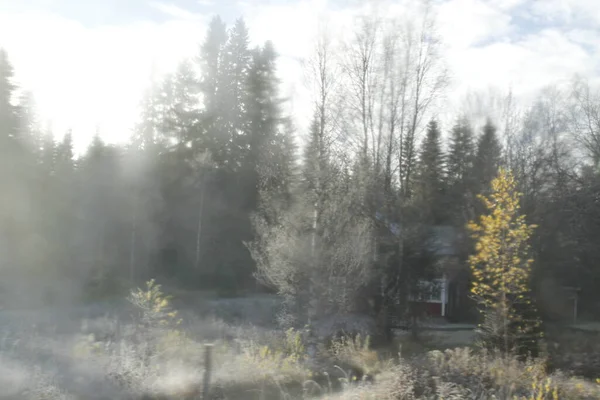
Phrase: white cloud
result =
(536, 60)
(551, 11)
(82, 76)
(570, 12)
(289, 27)
(174, 11)
(485, 49)
(506, 5)
(525, 66)
(524, 59)
(465, 23)
(292, 29)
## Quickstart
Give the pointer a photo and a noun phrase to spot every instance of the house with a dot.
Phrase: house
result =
(447, 294)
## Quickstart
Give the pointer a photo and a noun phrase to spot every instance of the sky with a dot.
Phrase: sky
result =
(88, 63)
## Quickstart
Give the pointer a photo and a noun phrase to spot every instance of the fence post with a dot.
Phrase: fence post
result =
(207, 369)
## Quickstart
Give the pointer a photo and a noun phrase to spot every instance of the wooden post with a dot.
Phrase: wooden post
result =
(207, 370)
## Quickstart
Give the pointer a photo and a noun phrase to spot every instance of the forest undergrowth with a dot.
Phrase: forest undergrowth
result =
(157, 355)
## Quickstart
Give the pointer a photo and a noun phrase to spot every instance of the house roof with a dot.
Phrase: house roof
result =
(442, 241)
(442, 237)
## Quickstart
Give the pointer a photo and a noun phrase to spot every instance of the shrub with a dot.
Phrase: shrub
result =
(356, 352)
(155, 306)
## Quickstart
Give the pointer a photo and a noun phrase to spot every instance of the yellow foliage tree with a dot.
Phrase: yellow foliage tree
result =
(501, 268)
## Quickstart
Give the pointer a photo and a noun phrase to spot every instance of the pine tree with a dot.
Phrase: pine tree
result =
(488, 156)
(501, 267)
(431, 186)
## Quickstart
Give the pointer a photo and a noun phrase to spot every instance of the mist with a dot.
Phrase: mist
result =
(387, 247)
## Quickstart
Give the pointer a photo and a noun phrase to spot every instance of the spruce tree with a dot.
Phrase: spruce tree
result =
(460, 154)
(265, 135)
(8, 112)
(459, 170)
(15, 176)
(236, 68)
(212, 60)
(408, 161)
(64, 162)
(183, 118)
(48, 157)
(313, 155)
(12, 147)
(488, 156)
(29, 124)
(431, 174)
(212, 88)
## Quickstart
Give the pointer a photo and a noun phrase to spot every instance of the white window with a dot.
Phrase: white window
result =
(430, 291)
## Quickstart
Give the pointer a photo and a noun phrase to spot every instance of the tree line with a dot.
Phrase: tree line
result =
(216, 191)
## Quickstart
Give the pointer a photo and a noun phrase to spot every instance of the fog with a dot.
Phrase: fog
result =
(387, 251)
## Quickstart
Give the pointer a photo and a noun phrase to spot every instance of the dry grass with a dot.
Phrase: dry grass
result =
(155, 355)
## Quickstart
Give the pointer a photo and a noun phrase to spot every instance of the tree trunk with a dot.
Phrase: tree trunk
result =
(199, 228)
(133, 242)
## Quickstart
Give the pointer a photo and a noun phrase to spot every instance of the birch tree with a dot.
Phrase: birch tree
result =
(501, 267)
(585, 119)
(430, 78)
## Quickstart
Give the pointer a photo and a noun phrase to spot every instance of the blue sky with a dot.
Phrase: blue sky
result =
(76, 55)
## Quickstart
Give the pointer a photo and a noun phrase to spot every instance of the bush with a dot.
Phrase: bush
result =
(154, 356)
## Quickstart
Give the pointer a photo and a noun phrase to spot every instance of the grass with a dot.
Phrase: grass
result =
(158, 356)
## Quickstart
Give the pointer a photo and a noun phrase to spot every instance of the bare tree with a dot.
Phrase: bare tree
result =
(330, 280)
(321, 75)
(307, 226)
(430, 77)
(537, 151)
(585, 118)
(393, 73)
(391, 93)
(511, 120)
(397, 47)
(360, 68)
